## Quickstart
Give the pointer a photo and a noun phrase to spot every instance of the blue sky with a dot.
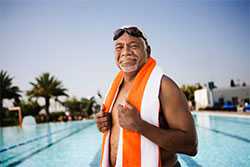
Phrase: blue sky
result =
(193, 41)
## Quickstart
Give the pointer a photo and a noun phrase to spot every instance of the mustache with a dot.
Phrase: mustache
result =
(126, 59)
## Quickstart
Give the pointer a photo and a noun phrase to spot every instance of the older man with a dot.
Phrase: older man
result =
(145, 119)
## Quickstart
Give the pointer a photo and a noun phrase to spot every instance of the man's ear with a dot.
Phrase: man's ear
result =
(148, 50)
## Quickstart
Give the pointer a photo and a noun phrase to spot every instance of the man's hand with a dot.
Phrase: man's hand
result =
(129, 117)
(103, 121)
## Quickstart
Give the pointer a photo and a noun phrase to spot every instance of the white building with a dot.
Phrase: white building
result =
(203, 98)
(209, 97)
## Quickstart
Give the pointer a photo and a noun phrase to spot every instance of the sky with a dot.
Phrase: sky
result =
(193, 41)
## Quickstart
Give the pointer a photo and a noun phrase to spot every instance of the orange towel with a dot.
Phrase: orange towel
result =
(131, 141)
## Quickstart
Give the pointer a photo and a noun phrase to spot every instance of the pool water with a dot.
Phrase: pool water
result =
(223, 141)
(53, 144)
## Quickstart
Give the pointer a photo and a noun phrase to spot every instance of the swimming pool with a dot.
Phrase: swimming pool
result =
(223, 141)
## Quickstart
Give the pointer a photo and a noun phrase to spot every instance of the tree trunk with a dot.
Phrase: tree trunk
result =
(47, 104)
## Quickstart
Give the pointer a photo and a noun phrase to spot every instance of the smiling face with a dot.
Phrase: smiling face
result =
(130, 53)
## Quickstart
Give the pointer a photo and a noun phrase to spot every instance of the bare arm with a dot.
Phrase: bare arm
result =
(181, 135)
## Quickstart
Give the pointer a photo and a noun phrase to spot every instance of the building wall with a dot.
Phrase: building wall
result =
(203, 98)
(229, 93)
(207, 98)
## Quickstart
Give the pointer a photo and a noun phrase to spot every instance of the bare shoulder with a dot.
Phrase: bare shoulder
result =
(169, 87)
(168, 83)
(171, 96)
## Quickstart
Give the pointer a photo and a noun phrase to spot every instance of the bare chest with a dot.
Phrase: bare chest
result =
(114, 136)
(120, 99)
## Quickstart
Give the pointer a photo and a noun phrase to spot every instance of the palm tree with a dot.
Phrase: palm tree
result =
(30, 107)
(189, 90)
(47, 87)
(91, 105)
(73, 104)
(7, 90)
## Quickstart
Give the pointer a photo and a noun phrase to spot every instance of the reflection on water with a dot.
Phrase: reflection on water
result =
(28, 121)
(203, 120)
(1, 137)
(20, 144)
(49, 138)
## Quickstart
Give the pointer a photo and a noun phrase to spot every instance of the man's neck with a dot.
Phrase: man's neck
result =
(128, 80)
(129, 77)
